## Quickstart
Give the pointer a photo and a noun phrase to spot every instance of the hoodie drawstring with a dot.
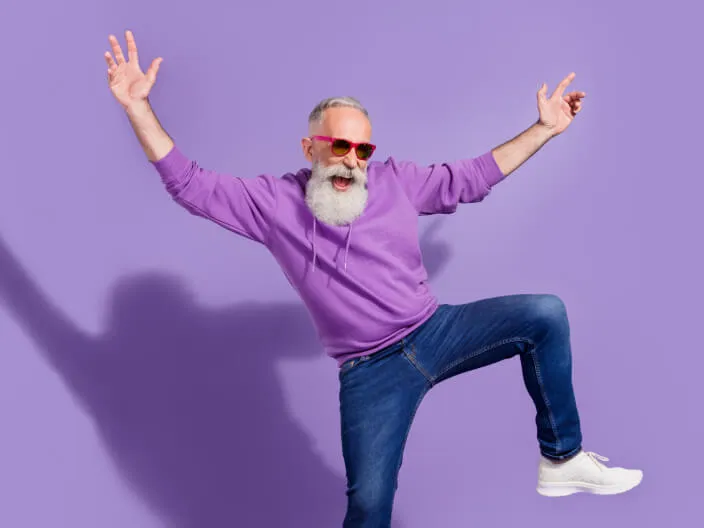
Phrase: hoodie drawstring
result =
(347, 247)
(314, 255)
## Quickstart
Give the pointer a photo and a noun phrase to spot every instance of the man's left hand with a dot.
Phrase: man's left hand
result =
(558, 111)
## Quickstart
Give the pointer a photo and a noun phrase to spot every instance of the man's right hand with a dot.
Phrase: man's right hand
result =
(131, 87)
(128, 83)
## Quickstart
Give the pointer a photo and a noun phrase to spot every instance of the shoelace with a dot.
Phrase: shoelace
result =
(597, 459)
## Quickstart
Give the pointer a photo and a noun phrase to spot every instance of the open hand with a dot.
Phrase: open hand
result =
(558, 111)
(127, 82)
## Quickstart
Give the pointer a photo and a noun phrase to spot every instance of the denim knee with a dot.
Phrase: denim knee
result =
(371, 503)
(548, 312)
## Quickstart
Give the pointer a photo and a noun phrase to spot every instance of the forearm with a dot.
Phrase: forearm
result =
(512, 154)
(151, 135)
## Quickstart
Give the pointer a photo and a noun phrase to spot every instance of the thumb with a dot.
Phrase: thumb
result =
(542, 92)
(154, 69)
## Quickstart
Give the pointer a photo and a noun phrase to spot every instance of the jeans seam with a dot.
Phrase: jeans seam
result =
(534, 357)
(481, 351)
(411, 357)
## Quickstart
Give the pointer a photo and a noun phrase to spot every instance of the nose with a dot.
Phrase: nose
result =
(350, 160)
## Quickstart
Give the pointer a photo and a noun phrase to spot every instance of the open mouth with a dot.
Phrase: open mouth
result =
(341, 183)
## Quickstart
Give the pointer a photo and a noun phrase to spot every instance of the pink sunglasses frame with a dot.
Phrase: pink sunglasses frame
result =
(352, 146)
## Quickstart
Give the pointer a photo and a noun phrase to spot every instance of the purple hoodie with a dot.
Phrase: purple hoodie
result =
(364, 284)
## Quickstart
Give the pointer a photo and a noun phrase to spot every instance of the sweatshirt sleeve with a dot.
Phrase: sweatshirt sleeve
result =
(245, 206)
(440, 188)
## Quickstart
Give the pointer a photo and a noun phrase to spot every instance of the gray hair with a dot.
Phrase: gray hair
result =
(332, 102)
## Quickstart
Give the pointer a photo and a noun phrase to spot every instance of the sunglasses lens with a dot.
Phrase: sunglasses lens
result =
(365, 151)
(340, 147)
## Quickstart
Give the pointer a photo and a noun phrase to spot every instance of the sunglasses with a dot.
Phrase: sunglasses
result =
(340, 147)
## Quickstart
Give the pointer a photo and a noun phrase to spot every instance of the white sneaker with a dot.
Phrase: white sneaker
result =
(584, 473)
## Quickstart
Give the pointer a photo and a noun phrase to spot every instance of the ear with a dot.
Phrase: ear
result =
(307, 146)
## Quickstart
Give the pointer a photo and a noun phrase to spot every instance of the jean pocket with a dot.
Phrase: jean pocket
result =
(352, 363)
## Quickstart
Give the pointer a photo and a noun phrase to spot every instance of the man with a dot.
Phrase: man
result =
(344, 233)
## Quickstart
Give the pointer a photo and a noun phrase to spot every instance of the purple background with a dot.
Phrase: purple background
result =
(158, 371)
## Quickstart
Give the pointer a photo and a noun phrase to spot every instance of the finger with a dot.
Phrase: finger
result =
(573, 96)
(110, 61)
(116, 49)
(153, 70)
(131, 47)
(563, 85)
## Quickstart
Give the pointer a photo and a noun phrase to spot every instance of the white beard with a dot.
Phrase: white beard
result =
(331, 206)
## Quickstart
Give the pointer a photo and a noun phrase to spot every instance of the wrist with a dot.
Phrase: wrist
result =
(544, 132)
(138, 109)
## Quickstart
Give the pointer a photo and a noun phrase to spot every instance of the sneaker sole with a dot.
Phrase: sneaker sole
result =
(570, 488)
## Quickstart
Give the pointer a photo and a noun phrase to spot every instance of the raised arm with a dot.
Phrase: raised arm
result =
(555, 115)
(440, 188)
(245, 206)
(130, 87)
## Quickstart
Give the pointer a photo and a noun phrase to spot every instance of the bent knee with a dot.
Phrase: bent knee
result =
(548, 311)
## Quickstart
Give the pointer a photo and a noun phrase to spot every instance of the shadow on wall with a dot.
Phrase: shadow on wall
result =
(187, 401)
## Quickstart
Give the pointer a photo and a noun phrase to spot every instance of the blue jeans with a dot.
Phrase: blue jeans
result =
(380, 393)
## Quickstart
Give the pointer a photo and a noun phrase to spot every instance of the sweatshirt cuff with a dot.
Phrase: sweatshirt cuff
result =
(490, 169)
(173, 164)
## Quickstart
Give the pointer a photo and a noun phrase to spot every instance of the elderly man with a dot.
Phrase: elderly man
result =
(344, 232)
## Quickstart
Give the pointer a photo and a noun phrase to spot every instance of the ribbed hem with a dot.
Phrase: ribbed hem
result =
(173, 164)
(490, 169)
